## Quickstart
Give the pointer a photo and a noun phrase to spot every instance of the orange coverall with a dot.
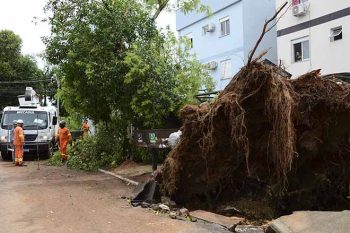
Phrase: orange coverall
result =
(18, 141)
(64, 137)
(85, 127)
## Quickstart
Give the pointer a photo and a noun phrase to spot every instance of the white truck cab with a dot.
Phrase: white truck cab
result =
(39, 123)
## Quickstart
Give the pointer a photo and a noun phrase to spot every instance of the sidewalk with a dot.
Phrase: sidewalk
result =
(313, 222)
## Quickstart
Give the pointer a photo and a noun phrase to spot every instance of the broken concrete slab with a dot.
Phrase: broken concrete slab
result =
(248, 229)
(138, 190)
(208, 228)
(228, 222)
(164, 207)
(312, 222)
(184, 212)
(145, 192)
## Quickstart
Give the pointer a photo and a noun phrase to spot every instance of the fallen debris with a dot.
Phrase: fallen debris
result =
(155, 207)
(167, 201)
(172, 215)
(228, 222)
(184, 212)
(119, 177)
(248, 229)
(145, 192)
(145, 205)
(164, 208)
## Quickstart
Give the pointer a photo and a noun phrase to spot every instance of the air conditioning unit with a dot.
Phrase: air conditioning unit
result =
(299, 10)
(211, 65)
(210, 27)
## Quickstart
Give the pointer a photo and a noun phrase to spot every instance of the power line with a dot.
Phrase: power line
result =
(26, 81)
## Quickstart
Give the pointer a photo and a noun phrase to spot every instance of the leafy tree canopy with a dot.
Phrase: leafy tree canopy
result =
(157, 6)
(15, 67)
(114, 64)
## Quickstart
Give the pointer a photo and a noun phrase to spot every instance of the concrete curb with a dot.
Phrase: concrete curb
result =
(279, 227)
(119, 177)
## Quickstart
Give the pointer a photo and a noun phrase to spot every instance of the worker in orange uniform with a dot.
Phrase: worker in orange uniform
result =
(18, 142)
(85, 128)
(63, 136)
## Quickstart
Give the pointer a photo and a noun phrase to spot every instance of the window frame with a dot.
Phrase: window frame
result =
(229, 75)
(227, 26)
(301, 41)
(189, 36)
(333, 35)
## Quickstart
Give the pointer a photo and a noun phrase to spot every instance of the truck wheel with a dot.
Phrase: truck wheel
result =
(51, 150)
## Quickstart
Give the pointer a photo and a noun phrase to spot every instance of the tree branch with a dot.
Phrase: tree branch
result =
(106, 6)
(278, 19)
(161, 6)
(263, 33)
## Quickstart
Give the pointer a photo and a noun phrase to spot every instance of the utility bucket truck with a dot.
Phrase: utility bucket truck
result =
(40, 125)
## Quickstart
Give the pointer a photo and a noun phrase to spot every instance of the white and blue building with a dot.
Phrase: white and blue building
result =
(224, 39)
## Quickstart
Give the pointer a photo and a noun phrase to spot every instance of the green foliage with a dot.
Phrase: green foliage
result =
(14, 67)
(55, 160)
(157, 6)
(164, 79)
(74, 122)
(93, 152)
(117, 69)
(88, 44)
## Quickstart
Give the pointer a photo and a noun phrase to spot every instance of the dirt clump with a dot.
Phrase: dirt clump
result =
(267, 139)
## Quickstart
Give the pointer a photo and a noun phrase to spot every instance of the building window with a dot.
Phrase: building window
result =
(336, 34)
(225, 26)
(189, 36)
(301, 49)
(225, 69)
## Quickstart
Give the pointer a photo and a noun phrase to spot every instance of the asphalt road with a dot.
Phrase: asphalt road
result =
(57, 199)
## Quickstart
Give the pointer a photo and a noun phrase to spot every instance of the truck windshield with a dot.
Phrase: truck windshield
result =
(31, 119)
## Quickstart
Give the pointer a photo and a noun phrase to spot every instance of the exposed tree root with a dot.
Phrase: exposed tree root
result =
(260, 138)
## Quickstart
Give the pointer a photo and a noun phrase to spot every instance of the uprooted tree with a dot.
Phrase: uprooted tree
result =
(279, 144)
(266, 138)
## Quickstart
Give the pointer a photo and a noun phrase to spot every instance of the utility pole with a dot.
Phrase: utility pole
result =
(45, 94)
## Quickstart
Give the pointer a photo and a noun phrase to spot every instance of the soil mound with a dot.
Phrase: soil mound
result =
(267, 139)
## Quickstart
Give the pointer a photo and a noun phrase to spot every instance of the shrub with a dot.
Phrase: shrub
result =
(104, 150)
(55, 160)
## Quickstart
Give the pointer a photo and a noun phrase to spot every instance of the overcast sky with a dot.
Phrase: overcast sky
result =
(18, 16)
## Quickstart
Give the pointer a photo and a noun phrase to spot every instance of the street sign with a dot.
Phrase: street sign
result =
(153, 138)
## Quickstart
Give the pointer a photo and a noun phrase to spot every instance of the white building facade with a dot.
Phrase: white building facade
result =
(314, 34)
(224, 39)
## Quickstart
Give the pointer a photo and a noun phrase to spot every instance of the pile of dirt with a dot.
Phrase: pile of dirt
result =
(267, 139)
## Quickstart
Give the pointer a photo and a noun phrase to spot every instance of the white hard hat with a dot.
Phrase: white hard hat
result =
(19, 121)
(14, 122)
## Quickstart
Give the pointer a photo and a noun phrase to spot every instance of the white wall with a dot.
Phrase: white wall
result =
(317, 8)
(331, 57)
